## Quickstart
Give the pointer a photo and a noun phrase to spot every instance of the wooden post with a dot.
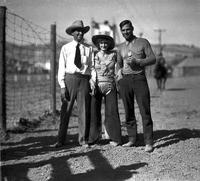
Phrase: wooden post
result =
(3, 68)
(53, 68)
(114, 32)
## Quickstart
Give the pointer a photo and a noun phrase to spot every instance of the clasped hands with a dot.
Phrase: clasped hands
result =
(131, 60)
(92, 86)
(82, 69)
(119, 75)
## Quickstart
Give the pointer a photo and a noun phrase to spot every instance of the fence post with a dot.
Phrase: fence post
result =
(53, 68)
(3, 68)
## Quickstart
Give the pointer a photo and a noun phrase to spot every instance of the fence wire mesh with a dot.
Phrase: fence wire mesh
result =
(28, 54)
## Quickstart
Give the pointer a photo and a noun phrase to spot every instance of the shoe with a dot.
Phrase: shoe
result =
(148, 148)
(91, 143)
(58, 145)
(129, 144)
(113, 143)
(85, 145)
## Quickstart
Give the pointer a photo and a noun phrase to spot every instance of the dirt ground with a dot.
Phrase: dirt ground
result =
(30, 155)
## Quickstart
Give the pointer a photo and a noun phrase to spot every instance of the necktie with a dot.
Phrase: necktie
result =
(77, 60)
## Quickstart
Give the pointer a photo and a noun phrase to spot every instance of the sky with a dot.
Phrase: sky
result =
(179, 19)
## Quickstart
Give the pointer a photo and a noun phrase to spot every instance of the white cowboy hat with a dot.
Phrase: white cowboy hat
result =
(77, 25)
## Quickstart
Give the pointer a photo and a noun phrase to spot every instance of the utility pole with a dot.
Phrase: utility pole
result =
(160, 31)
(92, 26)
(140, 34)
(3, 70)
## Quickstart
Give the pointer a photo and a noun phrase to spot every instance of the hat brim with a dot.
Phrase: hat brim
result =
(96, 38)
(71, 29)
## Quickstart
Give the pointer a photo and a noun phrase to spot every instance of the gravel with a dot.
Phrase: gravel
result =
(30, 156)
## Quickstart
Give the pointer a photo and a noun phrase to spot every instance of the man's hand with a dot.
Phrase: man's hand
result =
(119, 75)
(92, 84)
(64, 95)
(131, 60)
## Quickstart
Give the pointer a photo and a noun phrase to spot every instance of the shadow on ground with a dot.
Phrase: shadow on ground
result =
(32, 146)
(60, 170)
(169, 137)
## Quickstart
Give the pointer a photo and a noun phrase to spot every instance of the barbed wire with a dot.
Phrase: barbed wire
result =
(28, 54)
(24, 31)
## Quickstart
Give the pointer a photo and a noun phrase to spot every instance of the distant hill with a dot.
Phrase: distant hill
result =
(172, 50)
(28, 55)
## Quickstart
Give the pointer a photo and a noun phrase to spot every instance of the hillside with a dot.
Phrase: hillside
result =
(174, 50)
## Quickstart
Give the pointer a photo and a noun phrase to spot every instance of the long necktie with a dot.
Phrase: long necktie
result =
(77, 60)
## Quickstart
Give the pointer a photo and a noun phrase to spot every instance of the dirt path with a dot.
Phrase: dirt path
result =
(176, 113)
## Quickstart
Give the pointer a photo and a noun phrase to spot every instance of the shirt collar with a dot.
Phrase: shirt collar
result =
(132, 41)
(75, 43)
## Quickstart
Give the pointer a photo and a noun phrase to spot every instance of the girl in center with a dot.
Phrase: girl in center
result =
(103, 86)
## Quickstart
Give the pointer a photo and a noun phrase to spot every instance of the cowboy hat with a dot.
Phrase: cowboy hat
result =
(77, 25)
(96, 38)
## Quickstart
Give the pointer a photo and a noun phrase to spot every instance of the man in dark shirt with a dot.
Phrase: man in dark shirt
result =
(133, 56)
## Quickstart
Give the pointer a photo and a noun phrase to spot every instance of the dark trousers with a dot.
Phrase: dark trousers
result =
(136, 86)
(78, 87)
(112, 120)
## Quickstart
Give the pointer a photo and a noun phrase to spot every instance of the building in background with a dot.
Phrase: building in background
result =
(189, 67)
(105, 28)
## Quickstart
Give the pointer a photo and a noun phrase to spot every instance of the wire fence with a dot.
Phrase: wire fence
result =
(28, 57)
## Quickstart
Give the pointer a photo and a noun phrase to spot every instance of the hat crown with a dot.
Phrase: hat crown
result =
(78, 23)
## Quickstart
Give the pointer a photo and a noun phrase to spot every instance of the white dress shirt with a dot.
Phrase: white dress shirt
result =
(66, 61)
